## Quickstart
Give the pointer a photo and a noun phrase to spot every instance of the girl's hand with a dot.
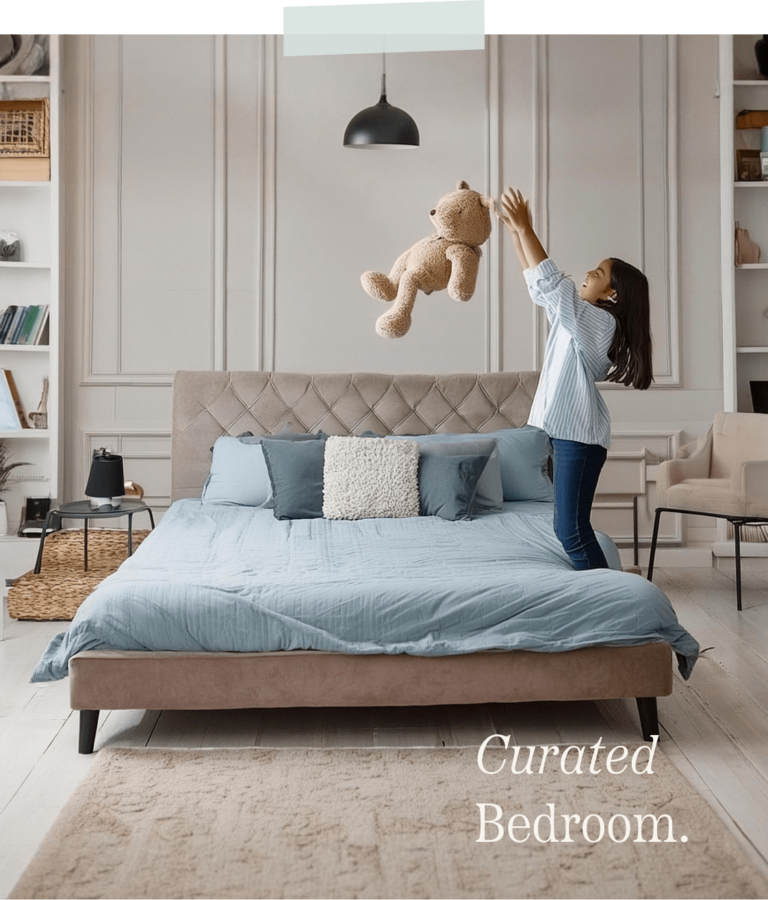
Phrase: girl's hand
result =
(516, 215)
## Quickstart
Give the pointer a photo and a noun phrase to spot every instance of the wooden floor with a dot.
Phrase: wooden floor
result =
(714, 727)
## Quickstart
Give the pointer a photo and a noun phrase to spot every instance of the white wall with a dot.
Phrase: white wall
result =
(214, 219)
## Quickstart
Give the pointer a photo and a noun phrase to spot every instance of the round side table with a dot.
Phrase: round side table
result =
(82, 509)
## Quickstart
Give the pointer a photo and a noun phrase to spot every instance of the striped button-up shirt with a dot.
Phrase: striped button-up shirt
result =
(568, 404)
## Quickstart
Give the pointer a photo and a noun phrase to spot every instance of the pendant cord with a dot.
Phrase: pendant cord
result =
(383, 77)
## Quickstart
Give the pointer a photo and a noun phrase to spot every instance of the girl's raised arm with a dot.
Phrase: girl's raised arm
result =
(517, 219)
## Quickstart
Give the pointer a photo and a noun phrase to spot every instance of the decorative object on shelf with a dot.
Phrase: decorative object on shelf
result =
(748, 165)
(23, 54)
(761, 54)
(747, 251)
(106, 481)
(25, 144)
(10, 248)
(33, 517)
(12, 416)
(751, 118)
(759, 392)
(6, 468)
(134, 490)
(382, 125)
(39, 418)
(764, 153)
(449, 259)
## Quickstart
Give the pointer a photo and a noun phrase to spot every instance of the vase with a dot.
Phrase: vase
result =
(3, 518)
(761, 55)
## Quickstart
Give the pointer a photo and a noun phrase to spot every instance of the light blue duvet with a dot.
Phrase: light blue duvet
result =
(219, 577)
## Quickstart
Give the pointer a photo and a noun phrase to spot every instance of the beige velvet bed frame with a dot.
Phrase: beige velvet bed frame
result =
(209, 404)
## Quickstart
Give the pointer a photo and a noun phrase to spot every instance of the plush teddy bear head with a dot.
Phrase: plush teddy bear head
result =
(463, 215)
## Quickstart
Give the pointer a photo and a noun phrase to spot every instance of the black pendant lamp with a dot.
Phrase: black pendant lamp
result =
(382, 125)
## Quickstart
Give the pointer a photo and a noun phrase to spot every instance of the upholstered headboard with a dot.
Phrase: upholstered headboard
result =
(209, 404)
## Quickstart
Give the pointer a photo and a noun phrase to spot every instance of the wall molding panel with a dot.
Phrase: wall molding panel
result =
(495, 310)
(265, 251)
(540, 188)
(626, 443)
(219, 263)
(650, 86)
(120, 160)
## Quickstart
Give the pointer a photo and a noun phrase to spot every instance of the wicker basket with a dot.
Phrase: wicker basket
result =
(24, 128)
(62, 584)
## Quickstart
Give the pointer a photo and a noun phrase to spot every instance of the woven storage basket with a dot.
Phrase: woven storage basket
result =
(62, 584)
(24, 128)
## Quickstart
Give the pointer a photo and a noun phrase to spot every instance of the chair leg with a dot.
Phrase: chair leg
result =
(653, 542)
(737, 547)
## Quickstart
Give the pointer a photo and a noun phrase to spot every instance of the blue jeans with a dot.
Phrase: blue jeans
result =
(575, 470)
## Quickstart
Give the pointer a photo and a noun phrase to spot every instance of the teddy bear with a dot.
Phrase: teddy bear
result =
(449, 259)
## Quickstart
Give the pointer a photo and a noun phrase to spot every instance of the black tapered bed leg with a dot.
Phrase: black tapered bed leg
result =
(89, 722)
(649, 717)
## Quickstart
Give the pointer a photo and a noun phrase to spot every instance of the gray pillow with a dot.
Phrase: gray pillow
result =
(296, 474)
(489, 496)
(448, 482)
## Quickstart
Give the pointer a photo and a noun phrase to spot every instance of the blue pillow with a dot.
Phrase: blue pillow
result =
(239, 472)
(296, 473)
(448, 483)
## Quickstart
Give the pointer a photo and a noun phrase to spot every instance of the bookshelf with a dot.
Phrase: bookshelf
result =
(31, 209)
(744, 288)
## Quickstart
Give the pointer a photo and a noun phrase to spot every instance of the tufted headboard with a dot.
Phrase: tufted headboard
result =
(209, 404)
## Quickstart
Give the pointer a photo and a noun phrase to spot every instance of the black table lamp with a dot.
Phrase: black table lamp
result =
(106, 482)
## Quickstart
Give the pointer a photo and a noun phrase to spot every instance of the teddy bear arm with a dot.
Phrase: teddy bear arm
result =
(465, 264)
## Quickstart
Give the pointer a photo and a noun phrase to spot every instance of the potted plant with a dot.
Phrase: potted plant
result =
(6, 468)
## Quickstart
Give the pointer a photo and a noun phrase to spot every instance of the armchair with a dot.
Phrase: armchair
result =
(724, 474)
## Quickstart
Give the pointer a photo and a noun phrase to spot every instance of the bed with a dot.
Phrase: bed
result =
(227, 607)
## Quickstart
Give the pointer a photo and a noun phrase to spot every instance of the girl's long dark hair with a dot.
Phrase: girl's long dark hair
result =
(631, 349)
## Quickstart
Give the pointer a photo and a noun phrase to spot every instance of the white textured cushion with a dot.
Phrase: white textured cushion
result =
(369, 478)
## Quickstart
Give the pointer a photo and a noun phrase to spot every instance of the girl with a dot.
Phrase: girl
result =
(600, 332)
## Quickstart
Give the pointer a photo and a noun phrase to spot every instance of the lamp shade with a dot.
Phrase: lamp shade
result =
(106, 479)
(382, 125)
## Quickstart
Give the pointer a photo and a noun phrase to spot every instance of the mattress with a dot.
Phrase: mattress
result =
(219, 577)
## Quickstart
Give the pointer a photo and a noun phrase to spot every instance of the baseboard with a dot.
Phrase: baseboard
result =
(748, 548)
(669, 557)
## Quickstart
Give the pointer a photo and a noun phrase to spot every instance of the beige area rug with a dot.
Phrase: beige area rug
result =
(375, 823)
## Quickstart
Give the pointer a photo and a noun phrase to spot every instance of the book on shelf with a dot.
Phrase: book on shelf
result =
(28, 325)
(40, 322)
(12, 415)
(5, 322)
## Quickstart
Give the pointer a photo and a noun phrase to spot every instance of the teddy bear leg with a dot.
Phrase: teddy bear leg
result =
(378, 286)
(397, 321)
